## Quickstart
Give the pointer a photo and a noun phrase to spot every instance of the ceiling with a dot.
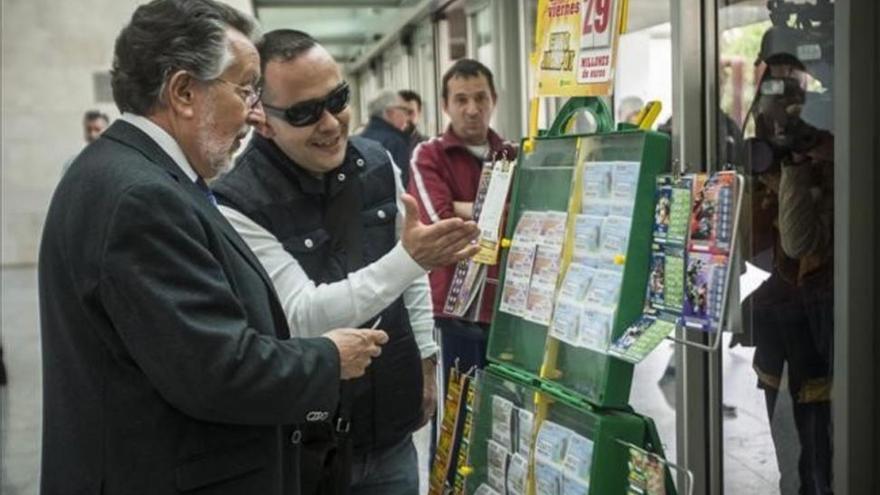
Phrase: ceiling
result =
(347, 28)
(350, 29)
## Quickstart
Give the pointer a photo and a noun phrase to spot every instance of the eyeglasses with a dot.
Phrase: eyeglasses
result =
(250, 93)
(306, 113)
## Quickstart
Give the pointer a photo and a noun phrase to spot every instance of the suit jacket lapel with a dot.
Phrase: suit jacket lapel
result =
(130, 135)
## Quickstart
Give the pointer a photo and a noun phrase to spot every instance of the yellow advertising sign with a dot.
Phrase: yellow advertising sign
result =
(576, 46)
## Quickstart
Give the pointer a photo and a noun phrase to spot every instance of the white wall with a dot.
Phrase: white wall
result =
(644, 68)
(50, 50)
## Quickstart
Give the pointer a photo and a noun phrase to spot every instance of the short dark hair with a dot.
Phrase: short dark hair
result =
(410, 95)
(91, 115)
(467, 68)
(284, 44)
(164, 36)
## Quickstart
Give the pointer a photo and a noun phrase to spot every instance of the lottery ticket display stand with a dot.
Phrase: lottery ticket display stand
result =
(615, 223)
(550, 414)
(578, 449)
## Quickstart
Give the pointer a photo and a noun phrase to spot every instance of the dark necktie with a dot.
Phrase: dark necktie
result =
(201, 184)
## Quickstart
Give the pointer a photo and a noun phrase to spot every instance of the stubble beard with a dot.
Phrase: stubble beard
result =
(217, 152)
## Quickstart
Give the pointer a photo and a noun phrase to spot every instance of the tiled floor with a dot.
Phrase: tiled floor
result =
(21, 401)
(750, 461)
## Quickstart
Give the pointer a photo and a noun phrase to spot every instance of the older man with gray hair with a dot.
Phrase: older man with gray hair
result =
(389, 121)
(167, 357)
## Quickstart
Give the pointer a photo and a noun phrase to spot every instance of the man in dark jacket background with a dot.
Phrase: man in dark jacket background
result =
(413, 102)
(389, 121)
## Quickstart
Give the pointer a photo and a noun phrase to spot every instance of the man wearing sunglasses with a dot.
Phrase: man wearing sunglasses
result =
(324, 214)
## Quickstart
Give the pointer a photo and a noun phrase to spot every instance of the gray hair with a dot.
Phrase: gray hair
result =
(629, 106)
(165, 36)
(386, 99)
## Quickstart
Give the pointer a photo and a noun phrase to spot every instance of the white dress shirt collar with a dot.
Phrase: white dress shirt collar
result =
(164, 140)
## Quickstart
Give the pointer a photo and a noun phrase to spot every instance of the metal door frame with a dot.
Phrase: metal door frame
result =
(856, 155)
(698, 388)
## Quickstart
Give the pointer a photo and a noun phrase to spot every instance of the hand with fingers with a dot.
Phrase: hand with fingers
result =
(439, 244)
(357, 348)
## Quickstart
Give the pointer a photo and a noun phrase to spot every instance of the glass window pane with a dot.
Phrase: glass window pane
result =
(774, 125)
(483, 35)
(644, 73)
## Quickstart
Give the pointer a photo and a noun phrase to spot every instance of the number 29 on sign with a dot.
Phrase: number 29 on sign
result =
(597, 17)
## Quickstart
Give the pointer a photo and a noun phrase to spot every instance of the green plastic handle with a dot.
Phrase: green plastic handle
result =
(574, 105)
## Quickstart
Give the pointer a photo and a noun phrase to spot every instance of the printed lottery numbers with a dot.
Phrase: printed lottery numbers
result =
(597, 15)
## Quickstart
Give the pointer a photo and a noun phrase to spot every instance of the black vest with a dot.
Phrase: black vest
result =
(333, 226)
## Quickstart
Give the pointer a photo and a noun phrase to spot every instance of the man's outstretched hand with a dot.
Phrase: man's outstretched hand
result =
(439, 244)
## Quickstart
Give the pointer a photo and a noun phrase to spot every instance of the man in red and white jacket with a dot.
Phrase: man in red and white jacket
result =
(444, 177)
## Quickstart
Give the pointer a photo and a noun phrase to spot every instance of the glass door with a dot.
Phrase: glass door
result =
(770, 117)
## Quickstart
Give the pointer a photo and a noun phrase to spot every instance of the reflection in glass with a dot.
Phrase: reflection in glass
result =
(775, 125)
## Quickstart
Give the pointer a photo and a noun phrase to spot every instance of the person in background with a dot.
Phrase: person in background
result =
(791, 157)
(168, 365)
(324, 213)
(445, 177)
(413, 101)
(94, 122)
(629, 108)
(389, 120)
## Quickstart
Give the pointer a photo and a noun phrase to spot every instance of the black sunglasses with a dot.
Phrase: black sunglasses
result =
(308, 112)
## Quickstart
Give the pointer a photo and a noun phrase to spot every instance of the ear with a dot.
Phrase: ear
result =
(257, 119)
(180, 93)
(262, 126)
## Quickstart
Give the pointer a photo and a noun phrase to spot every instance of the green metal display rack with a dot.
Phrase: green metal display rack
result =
(609, 430)
(583, 390)
(543, 182)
